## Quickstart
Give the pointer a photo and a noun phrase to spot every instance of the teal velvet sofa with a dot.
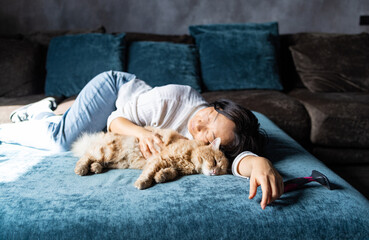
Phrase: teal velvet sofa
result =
(47, 200)
(42, 198)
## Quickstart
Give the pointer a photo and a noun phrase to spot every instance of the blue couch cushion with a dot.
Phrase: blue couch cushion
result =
(162, 63)
(271, 27)
(73, 60)
(238, 56)
(49, 201)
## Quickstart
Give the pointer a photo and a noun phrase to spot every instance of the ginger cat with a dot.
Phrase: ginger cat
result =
(179, 156)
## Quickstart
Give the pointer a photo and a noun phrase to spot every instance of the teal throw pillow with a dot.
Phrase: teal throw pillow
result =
(73, 60)
(162, 63)
(271, 27)
(238, 56)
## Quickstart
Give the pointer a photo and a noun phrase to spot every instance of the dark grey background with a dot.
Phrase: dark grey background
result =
(174, 16)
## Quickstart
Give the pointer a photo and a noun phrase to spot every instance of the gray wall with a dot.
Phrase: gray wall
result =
(174, 16)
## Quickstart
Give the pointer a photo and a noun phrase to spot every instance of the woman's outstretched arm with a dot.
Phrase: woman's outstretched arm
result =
(262, 173)
(147, 139)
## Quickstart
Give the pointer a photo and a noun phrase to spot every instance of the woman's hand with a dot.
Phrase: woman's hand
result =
(150, 143)
(262, 173)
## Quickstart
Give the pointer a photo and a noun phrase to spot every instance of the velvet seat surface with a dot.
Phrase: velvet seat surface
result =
(42, 198)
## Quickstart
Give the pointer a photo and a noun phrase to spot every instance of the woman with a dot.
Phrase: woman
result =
(121, 103)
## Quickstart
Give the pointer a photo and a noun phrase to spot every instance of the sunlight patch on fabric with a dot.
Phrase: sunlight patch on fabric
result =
(16, 160)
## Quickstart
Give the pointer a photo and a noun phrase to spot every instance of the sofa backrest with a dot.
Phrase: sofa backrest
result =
(40, 40)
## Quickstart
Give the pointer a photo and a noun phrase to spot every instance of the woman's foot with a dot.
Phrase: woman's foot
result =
(29, 111)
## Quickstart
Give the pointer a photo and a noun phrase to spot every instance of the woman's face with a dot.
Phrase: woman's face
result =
(207, 124)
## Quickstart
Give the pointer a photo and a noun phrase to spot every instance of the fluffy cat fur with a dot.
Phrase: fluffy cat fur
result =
(179, 156)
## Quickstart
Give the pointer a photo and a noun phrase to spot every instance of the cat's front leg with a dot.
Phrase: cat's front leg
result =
(83, 165)
(165, 175)
(143, 183)
(96, 167)
(146, 178)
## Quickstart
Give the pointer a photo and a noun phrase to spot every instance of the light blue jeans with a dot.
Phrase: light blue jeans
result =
(89, 113)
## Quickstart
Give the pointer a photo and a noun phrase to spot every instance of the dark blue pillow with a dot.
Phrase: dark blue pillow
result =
(271, 27)
(73, 60)
(238, 56)
(161, 63)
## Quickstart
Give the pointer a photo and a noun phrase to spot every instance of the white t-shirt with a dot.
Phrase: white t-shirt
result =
(169, 106)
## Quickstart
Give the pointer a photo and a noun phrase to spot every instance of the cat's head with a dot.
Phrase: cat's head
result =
(213, 161)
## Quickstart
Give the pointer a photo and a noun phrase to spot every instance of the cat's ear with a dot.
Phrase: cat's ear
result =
(215, 144)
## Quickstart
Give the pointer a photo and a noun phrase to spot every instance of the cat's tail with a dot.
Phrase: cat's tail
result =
(84, 142)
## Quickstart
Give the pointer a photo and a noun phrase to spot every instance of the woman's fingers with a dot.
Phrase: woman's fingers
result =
(276, 183)
(155, 144)
(265, 188)
(150, 143)
(271, 189)
(151, 147)
(280, 186)
(145, 150)
(263, 174)
(274, 193)
(275, 188)
(158, 141)
(253, 188)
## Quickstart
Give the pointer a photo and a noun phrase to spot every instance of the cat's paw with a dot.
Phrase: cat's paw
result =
(96, 167)
(81, 170)
(165, 175)
(160, 177)
(143, 184)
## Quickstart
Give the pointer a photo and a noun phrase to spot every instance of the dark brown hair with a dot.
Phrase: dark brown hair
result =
(248, 135)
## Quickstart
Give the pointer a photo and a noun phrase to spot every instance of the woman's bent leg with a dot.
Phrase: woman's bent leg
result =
(89, 113)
